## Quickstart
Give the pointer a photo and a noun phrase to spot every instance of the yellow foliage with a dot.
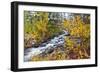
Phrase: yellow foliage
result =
(66, 25)
(77, 27)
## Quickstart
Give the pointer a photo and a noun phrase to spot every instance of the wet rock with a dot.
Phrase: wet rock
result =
(48, 51)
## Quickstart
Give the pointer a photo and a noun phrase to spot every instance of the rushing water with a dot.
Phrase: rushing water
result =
(53, 43)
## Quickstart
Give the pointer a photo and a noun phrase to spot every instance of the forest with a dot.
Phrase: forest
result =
(56, 36)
